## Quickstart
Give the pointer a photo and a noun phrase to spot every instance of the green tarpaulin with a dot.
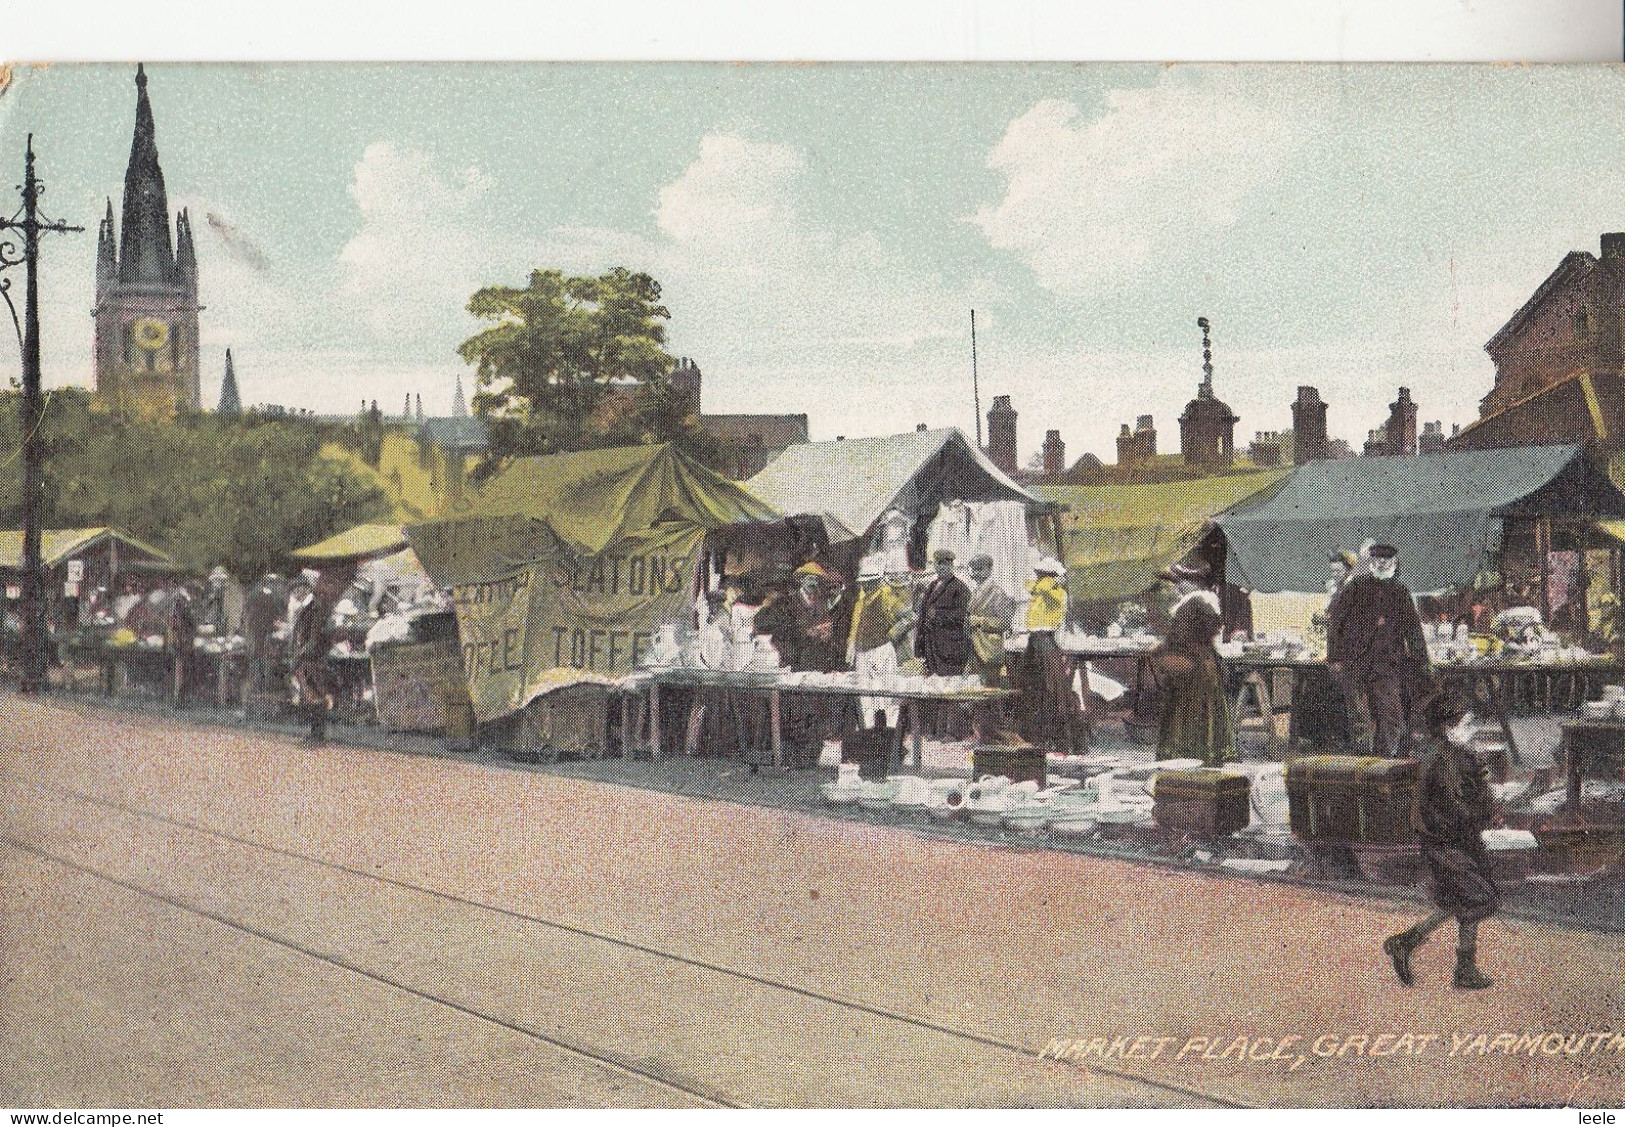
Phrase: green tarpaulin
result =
(1443, 512)
(563, 568)
(1118, 537)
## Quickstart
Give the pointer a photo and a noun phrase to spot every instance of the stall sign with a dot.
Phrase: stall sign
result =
(414, 683)
(70, 590)
(76, 571)
(572, 618)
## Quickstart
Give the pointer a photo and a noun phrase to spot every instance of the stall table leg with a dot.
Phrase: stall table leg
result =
(774, 712)
(918, 733)
(1571, 769)
(654, 720)
(626, 724)
(1493, 685)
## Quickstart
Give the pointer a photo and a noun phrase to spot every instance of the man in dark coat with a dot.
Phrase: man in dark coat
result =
(1376, 649)
(941, 636)
(1454, 807)
(805, 630)
(180, 637)
(263, 608)
(309, 640)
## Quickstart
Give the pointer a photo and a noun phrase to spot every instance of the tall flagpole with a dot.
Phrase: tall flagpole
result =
(976, 387)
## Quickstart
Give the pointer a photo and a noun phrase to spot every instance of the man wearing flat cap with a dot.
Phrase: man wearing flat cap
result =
(1376, 649)
(940, 634)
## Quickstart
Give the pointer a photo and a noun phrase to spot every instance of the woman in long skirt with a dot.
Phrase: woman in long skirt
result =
(1195, 715)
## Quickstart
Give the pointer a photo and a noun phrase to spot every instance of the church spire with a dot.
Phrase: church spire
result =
(459, 406)
(146, 255)
(185, 253)
(106, 252)
(231, 403)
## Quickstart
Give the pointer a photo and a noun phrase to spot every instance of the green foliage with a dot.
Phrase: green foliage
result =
(547, 362)
(242, 492)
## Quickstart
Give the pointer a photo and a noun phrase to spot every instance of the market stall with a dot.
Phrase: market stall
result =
(396, 660)
(1120, 538)
(84, 569)
(562, 571)
(1461, 519)
(1481, 535)
(915, 493)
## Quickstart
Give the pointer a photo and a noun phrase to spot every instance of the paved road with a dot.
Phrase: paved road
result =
(196, 917)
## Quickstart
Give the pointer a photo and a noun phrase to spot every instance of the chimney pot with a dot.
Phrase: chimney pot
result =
(1613, 244)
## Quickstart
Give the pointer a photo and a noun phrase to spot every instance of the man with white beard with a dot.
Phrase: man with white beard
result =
(1377, 651)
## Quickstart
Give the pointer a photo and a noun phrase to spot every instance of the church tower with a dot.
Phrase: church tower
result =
(146, 290)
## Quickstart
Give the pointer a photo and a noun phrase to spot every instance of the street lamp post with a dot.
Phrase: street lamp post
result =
(27, 221)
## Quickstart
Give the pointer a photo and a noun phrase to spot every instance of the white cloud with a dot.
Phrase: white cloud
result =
(1089, 202)
(752, 279)
(417, 256)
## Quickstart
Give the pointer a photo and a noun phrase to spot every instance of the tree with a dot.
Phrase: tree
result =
(555, 350)
(239, 492)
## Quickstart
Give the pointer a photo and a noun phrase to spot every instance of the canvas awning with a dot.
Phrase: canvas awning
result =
(564, 568)
(361, 542)
(1613, 529)
(584, 501)
(60, 544)
(1119, 537)
(1444, 513)
(850, 483)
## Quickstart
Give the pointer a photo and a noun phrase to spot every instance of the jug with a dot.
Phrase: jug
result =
(666, 649)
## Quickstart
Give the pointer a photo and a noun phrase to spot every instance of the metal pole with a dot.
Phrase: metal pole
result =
(33, 603)
(33, 633)
(976, 387)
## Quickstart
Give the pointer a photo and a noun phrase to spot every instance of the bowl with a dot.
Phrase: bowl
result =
(941, 812)
(837, 795)
(1073, 827)
(1026, 819)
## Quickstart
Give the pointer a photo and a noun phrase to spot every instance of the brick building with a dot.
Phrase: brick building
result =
(1558, 359)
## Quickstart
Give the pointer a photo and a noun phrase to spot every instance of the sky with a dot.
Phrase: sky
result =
(822, 231)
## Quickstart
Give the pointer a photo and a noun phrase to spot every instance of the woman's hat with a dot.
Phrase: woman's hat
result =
(1180, 573)
(1049, 565)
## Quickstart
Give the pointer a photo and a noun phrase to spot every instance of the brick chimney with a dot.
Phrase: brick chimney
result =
(1054, 454)
(1401, 427)
(1001, 434)
(1309, 441)
(1432, 438)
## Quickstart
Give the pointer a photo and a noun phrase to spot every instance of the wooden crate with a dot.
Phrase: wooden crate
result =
(1205, 801)
(1357, 800)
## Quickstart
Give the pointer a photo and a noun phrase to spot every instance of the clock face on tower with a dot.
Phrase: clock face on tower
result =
(150, 334)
